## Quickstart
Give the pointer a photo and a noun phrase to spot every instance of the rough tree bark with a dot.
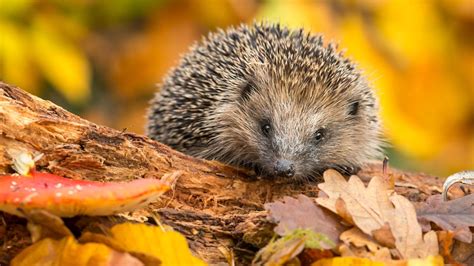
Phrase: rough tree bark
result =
(212, 204)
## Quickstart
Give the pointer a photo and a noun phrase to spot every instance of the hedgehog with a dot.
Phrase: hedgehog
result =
(268, 98)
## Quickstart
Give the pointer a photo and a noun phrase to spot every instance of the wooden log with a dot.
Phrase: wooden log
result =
(214, 205)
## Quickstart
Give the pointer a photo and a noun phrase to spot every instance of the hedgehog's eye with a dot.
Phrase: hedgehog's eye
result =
(266, 128)
(319, 135)
(353, 108)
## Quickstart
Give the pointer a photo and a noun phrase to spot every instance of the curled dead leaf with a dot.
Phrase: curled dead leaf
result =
(454, 215)
(303, 213)
(384, 236)
(357, 238)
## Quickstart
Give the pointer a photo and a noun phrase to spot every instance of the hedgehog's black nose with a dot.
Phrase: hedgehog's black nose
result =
(284, 168)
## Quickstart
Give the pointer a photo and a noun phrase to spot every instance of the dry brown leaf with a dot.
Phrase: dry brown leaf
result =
(446, 240)
(371, 208)
(454, 215)
(279, 252)
(43, 224)
(342, 211)
(357, 238)
(368, 206)
(382, 254)
(407, 232)
(310, 255)
(384, 236)
(463, 252)
(303, 213)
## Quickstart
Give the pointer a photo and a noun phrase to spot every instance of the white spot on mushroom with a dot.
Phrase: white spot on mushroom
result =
(14, 183)
(78, 187)
(29, 197)
(58, 185)
(70, 192)
(59, 194)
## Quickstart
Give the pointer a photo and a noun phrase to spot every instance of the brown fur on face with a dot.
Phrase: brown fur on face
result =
(216, 103)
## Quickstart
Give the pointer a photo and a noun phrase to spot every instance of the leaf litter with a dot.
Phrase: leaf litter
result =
(386, 226)
(454, 215)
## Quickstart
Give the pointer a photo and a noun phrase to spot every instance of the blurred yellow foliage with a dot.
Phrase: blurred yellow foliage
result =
(38, 47)
(418, 55)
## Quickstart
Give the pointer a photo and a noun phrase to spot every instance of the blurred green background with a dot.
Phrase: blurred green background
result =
(102, 59)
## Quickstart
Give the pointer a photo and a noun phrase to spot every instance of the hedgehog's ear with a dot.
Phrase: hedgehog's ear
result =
(354, 108)
(247, 89)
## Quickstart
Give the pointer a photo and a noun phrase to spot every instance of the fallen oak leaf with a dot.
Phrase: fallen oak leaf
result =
(369, 207)
(384, 236)
(409, 239)
(342, 211)
(454, 215)
(382, 255)
(357, 238)
(358, 244)
(303, 213)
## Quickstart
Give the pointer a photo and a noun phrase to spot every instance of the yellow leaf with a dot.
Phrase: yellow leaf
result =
(168, 246)
(62, 63)
(352, 261)
(428, 261)
(347, 261)
(68, 252)
(15, 65)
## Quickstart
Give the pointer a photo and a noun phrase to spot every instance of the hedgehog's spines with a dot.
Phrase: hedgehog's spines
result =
(210, 105)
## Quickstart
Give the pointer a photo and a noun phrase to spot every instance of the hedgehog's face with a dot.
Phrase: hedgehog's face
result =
(299, 132)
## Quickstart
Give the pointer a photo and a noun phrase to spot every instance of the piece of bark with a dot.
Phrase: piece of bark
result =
(212, 204)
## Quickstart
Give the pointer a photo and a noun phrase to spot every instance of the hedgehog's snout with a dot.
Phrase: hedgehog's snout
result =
(284, 168)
